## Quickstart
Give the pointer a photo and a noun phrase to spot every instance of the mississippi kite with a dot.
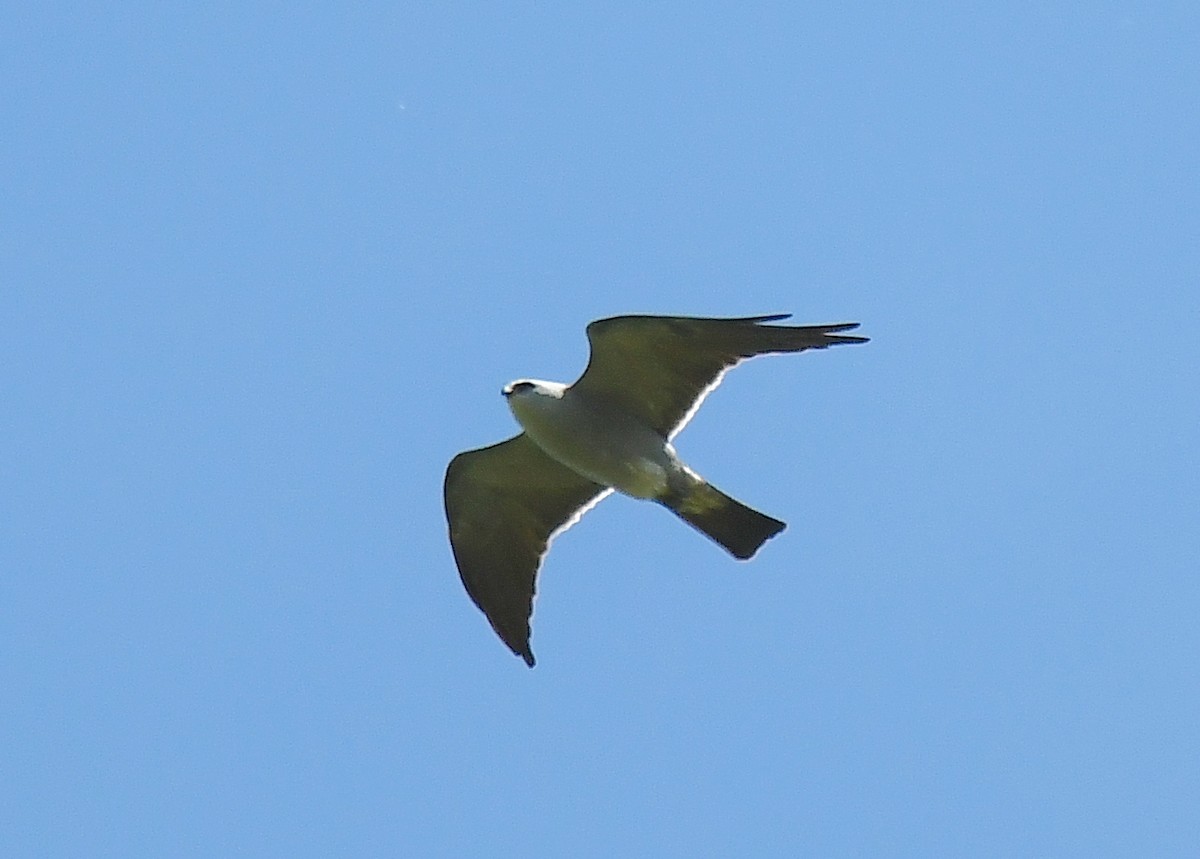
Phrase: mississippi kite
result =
(612, 429)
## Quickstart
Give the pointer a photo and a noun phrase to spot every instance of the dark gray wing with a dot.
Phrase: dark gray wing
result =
(661, 368)
(504, 505)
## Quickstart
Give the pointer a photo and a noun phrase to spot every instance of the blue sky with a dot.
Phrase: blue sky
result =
(263, 271)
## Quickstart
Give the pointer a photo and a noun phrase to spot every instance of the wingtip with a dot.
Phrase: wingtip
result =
(520, 647)
(831, 332)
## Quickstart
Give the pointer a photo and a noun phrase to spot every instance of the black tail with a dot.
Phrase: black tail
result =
(740, 529)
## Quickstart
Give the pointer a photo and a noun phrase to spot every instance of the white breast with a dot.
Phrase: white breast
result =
(603, 444)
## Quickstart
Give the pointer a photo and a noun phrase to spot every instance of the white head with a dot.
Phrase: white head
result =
(532, 400)
(522, 388)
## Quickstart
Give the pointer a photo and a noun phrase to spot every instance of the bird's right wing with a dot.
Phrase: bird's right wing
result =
(504, 505)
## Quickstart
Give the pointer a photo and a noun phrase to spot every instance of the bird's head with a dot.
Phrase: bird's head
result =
(522, 388)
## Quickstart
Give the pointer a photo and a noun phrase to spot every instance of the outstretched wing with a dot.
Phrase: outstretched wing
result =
(504, 505)
(660, 368)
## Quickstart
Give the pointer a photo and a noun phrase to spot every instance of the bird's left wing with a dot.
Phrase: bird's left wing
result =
(504, 505)
(660, 368)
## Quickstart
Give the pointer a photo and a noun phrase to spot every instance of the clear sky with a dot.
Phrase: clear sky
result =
(265, 268)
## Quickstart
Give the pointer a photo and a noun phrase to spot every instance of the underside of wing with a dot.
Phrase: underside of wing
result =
(504, 504)
(660, 368)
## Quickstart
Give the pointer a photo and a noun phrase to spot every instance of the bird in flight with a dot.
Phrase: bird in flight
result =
(611, 429)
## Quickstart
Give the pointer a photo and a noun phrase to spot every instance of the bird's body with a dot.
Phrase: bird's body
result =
(605, 445)
(611, 430)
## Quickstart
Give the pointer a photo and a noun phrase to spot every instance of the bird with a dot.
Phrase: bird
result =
(611, 430)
